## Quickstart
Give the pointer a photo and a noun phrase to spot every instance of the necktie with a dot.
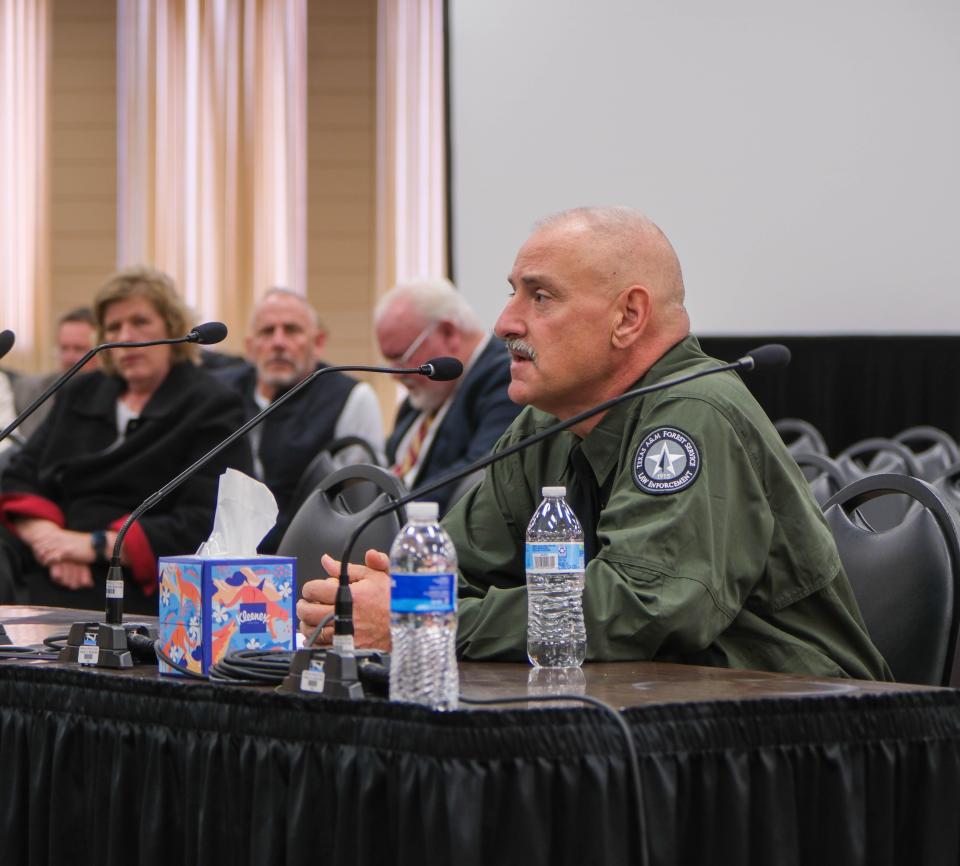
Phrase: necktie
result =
(586, 499)
(414, 447)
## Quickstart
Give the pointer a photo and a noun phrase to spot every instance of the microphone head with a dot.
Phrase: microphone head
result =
(442, 369)
(7, 339)
(768, 357)
(209, 333)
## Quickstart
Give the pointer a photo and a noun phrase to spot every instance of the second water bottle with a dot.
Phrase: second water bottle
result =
(556, 637)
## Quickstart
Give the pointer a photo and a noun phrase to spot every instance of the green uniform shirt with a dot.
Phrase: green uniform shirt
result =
(735, 568)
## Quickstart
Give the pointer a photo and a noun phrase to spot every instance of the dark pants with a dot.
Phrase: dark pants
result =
(23, 580)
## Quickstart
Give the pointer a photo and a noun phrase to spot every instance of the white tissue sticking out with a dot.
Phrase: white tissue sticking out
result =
(246, 512)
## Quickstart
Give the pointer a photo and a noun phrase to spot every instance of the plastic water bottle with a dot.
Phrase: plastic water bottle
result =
(423, 612)
(556, 636)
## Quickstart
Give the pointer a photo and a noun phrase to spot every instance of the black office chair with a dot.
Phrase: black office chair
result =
(948, 485)
(329, 514)
(876, 456)
(338, 446)
(800, 436)
(934, 449)
(824, 475)
(326, 463)
(906, 579)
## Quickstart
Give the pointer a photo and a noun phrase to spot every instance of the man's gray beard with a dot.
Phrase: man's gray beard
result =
(425, 401)
(282, 383)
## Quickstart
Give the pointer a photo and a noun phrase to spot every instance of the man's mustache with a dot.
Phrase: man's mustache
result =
(521, 347)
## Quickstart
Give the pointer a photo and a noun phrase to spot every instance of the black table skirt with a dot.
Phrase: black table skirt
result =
(108, 770)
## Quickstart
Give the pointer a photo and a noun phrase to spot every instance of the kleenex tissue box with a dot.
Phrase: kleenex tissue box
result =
(211, 606)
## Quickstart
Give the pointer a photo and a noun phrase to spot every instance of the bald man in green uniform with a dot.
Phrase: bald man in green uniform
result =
(704, 543)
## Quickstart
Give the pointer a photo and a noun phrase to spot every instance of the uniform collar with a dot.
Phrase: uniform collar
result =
(603, 444)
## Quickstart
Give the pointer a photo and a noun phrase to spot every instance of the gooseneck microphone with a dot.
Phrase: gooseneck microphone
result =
(438, 369)
(441, 369)
(205, 335)
(7, 339)
(338, 658)
(113, 631)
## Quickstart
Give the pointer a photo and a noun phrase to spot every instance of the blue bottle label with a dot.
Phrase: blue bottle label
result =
(554, 558)
(423, 593)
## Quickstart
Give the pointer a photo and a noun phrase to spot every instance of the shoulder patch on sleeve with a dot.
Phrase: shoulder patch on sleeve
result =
(667, 461)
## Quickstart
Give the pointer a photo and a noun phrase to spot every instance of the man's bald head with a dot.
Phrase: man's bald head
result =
(625, 248)
(597, 300)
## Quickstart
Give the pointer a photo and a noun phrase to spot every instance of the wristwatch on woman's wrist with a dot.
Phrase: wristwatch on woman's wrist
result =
(98, 540)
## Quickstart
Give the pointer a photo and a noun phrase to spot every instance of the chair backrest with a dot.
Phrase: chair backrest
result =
(824, 475)
(948, 485)
(934, 449)
(881, 455)
(326, 463)
(906, 579)
(800, 436)
(327, 517)
(358, 443)
(873, 457)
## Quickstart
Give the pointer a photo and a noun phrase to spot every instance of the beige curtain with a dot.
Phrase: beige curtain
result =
(212, 151)
(24, 171)
(411, 158)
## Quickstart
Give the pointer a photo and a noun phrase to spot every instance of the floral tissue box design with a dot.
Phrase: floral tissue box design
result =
(211, 607)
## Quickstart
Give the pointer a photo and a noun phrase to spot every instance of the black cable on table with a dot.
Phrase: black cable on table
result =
(56, 642)
(162, 656)
(26, 653)
(252, 667)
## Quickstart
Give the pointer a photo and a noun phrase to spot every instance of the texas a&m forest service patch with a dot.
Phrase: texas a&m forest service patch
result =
(667, 461)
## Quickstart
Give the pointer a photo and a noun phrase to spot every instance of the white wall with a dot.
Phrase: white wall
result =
(804, 158)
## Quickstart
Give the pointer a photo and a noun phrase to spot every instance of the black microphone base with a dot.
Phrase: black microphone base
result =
(327, 673)
(102, 644)
(4, 637)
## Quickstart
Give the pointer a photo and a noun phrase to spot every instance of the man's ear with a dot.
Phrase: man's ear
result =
(319, 341)
(450, 335)
(631, 316)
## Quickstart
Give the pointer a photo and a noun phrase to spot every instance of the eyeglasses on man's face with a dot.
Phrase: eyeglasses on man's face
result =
(403, 360)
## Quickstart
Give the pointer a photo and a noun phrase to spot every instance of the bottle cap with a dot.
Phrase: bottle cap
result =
(554, 491)
(423, 511)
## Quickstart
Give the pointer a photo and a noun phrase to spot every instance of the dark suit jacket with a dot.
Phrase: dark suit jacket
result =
(478, 415)
(70, 465)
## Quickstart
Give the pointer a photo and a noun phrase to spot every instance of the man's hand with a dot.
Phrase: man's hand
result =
(33, 529)
(71, 575)
(63, 546)
(370, 584)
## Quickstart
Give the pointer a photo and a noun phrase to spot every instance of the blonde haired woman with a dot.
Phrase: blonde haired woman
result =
(113, 437)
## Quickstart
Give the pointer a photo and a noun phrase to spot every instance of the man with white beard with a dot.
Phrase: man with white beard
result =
(442, 426)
